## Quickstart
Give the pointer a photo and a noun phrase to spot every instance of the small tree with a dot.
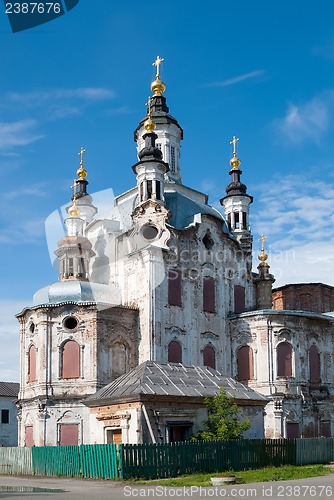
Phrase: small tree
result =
(223, 419)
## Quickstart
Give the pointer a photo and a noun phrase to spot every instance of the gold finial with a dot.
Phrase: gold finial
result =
(149, 123)
(81, 172)
(158, 87)
(74, 210)
(263, 256)
(235, 162)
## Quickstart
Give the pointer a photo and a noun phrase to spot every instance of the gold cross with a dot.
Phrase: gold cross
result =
(263, 239)
(157, 63)
(234, 142)
(148, 103)
(81, 154)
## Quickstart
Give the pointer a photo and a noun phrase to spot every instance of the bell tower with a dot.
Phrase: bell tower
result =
(236, 203)
(74, 250)
(150, 214)
(168, 131)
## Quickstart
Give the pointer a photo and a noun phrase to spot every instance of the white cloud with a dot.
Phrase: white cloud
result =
(236, 79)
(23, 231)
(37, 190)
(306, 121)
(60, 103)
(81, 93)
(19, 221)
(297, 214)
(19, 133)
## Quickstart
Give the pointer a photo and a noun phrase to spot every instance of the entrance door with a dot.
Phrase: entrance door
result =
(114, 436)
(292, 430)
(179, 431)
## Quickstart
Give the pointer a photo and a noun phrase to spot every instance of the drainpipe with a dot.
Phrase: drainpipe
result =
(270, 356)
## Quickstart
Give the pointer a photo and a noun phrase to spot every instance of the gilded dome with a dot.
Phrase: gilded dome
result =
(158, 87)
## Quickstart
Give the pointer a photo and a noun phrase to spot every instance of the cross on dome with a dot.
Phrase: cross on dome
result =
(157, 63)
(234, 142)
(263, 239)
(81, 154)
(81, 172)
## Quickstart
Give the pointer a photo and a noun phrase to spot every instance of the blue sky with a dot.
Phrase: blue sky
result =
(261, 70)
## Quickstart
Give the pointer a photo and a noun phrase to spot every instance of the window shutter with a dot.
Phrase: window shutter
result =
(71, 360)
(239, 299)
(209, 295)
(245, 363)
(32, 364)
(209, 357)
(174, 352)
(284, 360)
(174, 288)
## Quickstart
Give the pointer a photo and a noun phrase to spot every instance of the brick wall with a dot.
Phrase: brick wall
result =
(314, 297)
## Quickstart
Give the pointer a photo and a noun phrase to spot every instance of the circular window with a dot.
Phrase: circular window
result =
(150, 232)
(70, 323)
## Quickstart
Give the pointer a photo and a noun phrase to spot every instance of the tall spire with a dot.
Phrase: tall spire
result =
(264, 280)
(82, 201)
(74, 250)
(150, 213)
(151, 168)
(236, 202)
(168, 131)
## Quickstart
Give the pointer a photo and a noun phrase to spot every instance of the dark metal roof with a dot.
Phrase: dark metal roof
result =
(177, 380)
(10, 389)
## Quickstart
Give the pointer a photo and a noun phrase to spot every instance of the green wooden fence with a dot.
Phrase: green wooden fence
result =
(169, 460)
(56, 460)
(15, 461)
(314, 451)
(108, 461)
(100, 461)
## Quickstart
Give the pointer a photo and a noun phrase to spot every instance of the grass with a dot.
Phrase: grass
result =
(283, 473)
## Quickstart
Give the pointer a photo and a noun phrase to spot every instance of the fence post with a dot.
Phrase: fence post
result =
(119, 460)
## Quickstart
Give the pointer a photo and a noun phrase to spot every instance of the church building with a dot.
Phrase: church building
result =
(156, 307)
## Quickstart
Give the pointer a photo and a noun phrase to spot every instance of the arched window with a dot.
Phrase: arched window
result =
(284, 360)
(209, 294)
(245, 363)
(70, 360)
(209, 357)
(174, 352)
(314, 364)
(32, 364)
(119, 359)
